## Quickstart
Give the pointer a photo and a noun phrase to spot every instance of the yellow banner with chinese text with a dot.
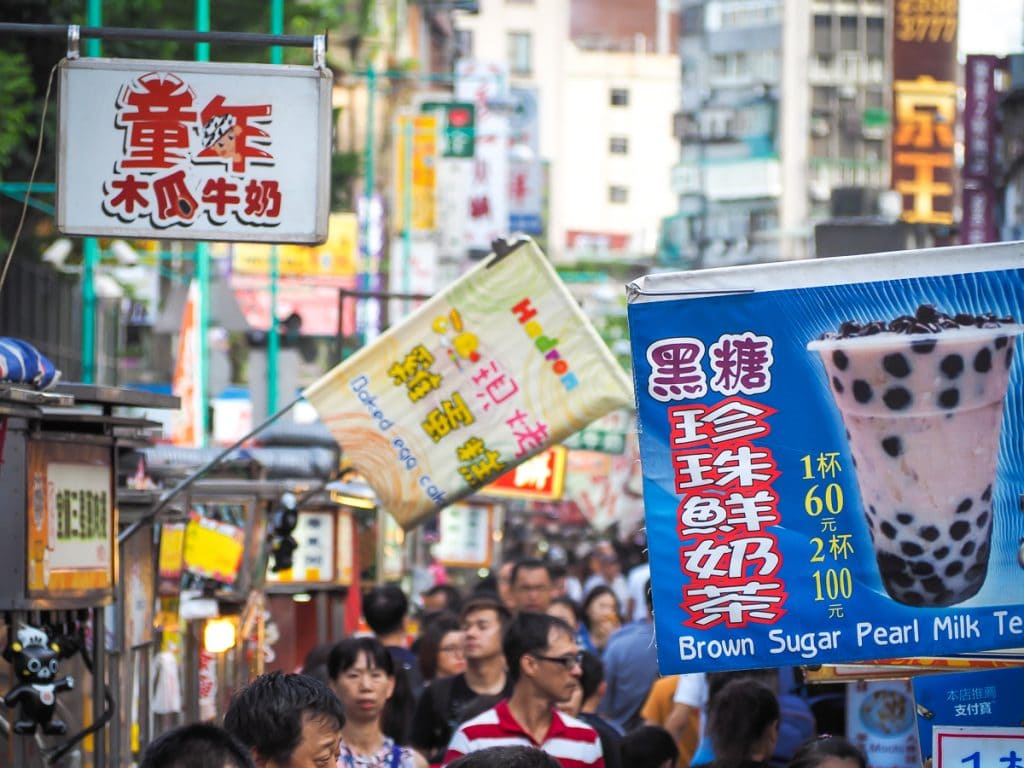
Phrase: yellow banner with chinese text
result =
(337, 257)
(483, 376)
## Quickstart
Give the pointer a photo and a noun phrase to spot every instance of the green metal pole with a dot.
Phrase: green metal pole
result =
(407, 210)
(91, 246)
(273, 342)
(369, 158)
(203, 261)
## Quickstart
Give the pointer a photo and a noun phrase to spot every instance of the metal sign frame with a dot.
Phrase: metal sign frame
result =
(241, 221)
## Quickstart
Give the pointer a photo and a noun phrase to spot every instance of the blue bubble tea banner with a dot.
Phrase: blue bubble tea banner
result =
(833, 457)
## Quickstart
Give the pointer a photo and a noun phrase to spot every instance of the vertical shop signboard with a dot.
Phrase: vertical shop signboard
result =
(924, 106)
(981, 101)
(485, 85)
(415, 172)
(71, 520)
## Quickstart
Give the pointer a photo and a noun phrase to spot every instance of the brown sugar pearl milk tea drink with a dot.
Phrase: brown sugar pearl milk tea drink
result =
(922, 401)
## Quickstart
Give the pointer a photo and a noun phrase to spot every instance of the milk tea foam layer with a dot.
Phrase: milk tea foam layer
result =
(923, 415)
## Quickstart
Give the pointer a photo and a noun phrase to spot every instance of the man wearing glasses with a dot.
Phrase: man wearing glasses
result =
(544, 665)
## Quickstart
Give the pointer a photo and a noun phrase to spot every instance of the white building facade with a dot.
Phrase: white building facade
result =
(605, 119)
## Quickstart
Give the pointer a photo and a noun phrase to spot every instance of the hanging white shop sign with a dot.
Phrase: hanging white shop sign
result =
(193, 151)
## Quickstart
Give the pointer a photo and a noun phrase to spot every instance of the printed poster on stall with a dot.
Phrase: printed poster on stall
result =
(880, 721)
(194, 151)
(833, 457)
(484, 375)
(977, 747)
(968, 700)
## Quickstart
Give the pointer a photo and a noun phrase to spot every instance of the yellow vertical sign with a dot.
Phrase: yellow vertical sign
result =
(416, 165)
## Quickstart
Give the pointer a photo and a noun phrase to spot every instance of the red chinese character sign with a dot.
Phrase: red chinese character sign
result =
(831, 458)
(478, 380)
(194, 151)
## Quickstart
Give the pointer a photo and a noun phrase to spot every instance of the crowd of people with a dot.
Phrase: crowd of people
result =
(538, 668)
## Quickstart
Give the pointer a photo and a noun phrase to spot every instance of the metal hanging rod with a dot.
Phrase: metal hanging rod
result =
(172, 35)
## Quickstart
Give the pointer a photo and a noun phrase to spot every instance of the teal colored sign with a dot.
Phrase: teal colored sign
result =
(458, 126)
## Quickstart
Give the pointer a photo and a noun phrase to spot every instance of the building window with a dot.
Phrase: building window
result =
(823, 98)
(464, 43)
(848, 33)
(875, 42)
(874, 150)
(520, 53)
(618, 145)
(619, 97)
(617, 194)
(822, 34)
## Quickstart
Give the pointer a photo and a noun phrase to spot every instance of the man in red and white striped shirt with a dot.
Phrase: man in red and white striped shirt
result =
(544, 664)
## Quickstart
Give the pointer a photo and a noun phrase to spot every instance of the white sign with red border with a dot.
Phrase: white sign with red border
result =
(977, 747)
(193, 151)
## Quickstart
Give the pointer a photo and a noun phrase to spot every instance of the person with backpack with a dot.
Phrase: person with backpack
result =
(445, 702)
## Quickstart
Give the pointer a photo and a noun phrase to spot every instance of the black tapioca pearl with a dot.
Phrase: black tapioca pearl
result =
(983, 360)
(933, 584)
(952, 366)
(987, 494)
(902, 579)
(904, 518)
(892, 445)
(896, 365)
(948, 398)
(837, 385)
(891, 565)
(862, 392)
(959, 529)
(1009, 356)
(982, 520)
(977, 571)
(983, 550)
(929, 533)
(940, 553)
(922, 346)
(872, 510)
(954, 568)
(964, 506)
(1001, 341)
(968, 549)
(853, 459)
(888, 529)
(897, 398)
(911, 549)
(922, 568)
(840, 359)
(913, 598)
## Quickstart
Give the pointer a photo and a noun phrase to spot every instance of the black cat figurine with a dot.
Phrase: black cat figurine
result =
(35, 660)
